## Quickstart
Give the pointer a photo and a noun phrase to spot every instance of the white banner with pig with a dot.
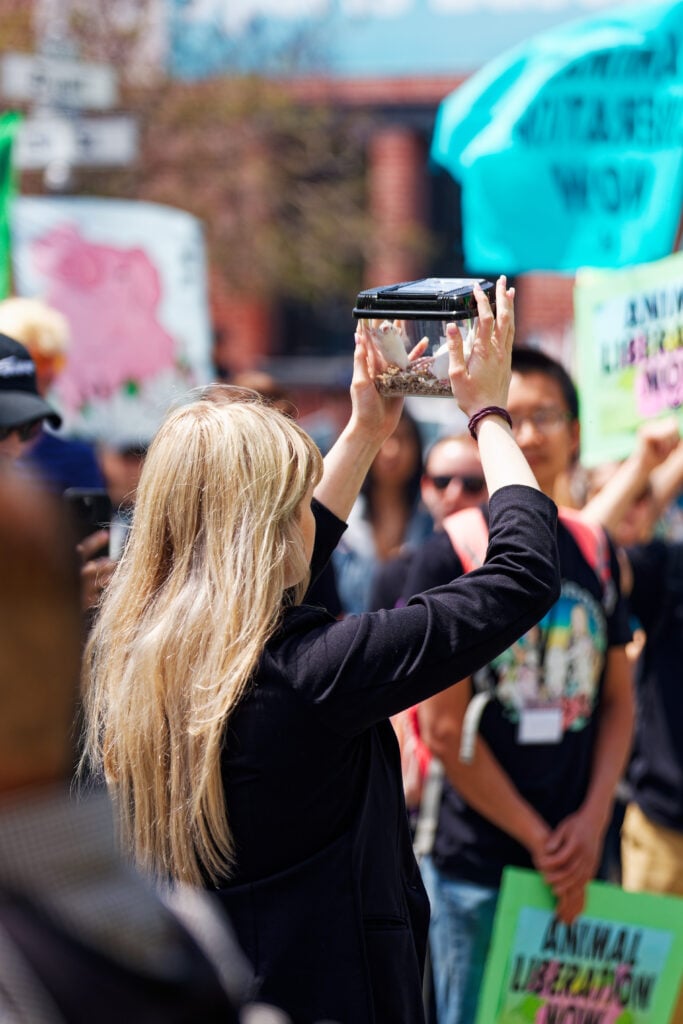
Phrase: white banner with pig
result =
(130, 278)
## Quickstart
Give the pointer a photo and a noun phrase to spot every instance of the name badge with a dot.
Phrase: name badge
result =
(541, 723)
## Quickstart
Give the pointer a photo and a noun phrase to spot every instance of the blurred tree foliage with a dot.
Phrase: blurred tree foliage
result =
(279, 184)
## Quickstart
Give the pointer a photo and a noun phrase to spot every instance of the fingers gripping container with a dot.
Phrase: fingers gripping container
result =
(399, 316)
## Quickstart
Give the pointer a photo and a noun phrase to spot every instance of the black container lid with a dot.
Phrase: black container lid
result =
(430, 298)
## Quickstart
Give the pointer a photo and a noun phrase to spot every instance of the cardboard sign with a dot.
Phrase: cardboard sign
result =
(629, 332)
(130, 278)
(620, 962)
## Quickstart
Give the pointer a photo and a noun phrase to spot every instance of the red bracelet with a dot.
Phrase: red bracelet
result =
(488, 410)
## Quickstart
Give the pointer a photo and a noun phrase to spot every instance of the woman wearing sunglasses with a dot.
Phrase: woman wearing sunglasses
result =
(453, 479)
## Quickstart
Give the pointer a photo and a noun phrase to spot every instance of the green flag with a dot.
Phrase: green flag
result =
(9, 123)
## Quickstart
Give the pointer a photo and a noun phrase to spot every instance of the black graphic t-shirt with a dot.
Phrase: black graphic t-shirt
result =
(553, 676)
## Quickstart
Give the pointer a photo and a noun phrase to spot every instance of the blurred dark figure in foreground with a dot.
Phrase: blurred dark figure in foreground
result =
(82, 938)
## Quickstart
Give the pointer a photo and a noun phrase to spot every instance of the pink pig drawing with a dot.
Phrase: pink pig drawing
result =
(110, 297)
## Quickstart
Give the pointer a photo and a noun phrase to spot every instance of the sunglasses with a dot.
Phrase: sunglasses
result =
(26, 432)
(470, 484)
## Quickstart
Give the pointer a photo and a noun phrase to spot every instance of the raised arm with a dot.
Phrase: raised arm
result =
(667, 478)
(483, 380)
(477, 383)
(373, 419)
(657, 443)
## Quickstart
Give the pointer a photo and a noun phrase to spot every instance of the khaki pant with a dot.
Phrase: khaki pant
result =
(652, 861)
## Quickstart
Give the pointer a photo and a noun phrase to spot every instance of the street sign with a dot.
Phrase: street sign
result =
(57, 82)
(85, 142)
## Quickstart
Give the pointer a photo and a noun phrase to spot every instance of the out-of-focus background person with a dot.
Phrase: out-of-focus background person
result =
(121, 458)
(647, 835)
(386, 515)
(82, 937)
(62, 462)
(452, 480)
(23, 411)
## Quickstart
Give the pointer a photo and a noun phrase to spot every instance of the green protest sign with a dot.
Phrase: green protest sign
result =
(9, 123)
(629, 333)
(620, 962)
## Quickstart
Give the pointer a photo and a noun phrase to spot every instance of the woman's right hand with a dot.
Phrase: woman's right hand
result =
(484, 378)
(372, 412)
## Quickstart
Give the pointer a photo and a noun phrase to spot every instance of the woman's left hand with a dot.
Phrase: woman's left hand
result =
(572, 853)
(371, 411)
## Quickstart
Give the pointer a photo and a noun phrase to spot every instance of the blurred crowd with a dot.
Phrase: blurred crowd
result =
(564, 753)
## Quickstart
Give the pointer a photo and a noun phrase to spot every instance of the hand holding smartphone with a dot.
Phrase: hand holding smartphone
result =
(90, 510)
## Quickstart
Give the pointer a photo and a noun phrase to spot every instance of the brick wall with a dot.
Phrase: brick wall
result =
(544, 314)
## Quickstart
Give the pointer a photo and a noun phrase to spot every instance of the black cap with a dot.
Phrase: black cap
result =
(20, 402)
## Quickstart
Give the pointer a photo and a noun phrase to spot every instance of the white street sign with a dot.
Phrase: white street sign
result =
(57, 82)
(85, 142)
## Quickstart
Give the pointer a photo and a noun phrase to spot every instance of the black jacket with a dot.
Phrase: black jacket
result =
(326, 897)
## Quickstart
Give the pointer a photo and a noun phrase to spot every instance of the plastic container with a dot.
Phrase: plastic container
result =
(398, 316)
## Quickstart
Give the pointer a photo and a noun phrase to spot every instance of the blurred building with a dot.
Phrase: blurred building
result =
(393, 61)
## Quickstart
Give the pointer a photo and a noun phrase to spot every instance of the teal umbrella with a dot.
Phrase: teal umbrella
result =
(569, 147)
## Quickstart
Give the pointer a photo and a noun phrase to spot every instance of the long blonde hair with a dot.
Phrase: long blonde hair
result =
(198, 592)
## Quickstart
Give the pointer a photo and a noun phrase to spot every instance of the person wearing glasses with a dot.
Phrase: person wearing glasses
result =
(23, 411)
(453, 477)
(533, 784)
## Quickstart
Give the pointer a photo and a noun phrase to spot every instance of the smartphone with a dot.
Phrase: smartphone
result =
(90, 509)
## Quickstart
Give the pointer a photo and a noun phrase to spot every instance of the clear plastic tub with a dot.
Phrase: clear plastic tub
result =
(399, 316)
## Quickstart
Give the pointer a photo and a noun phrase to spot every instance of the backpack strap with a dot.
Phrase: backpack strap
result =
(428, 814)
(592, 542)
(470, 723)
(468, 533)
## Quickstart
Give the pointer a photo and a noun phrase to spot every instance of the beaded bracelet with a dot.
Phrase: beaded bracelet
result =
(488, 410)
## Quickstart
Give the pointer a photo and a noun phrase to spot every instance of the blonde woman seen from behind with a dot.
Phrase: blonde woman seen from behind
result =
(245, 734)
